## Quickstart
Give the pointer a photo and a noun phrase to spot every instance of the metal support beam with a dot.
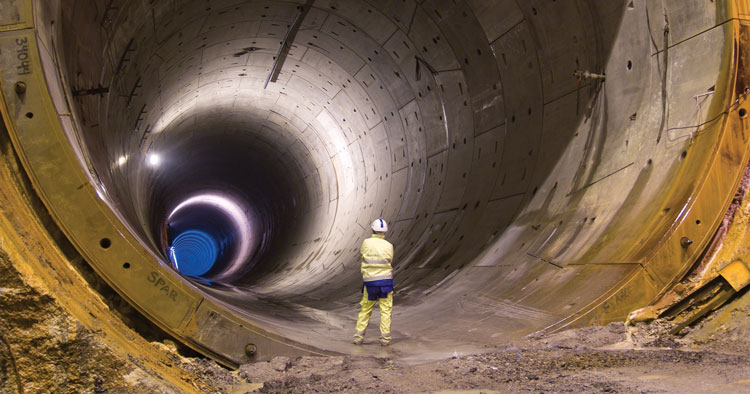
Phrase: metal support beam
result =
(286, 44)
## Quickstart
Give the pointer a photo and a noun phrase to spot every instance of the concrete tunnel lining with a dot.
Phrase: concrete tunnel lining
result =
(515, 192)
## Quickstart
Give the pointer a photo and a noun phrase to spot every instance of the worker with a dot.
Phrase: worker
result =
(377, 275)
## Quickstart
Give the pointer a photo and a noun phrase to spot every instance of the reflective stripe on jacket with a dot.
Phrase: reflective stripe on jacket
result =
(377, 255)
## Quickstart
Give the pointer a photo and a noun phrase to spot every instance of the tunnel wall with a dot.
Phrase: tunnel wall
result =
(523, 198)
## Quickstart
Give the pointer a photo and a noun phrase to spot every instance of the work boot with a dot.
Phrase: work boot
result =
(358, 340)
(385, 341)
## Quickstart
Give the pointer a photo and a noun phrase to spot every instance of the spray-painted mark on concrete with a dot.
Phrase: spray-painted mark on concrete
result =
(22, 55)
(163, 286)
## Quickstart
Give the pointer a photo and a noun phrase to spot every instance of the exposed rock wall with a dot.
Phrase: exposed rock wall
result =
(45, 349)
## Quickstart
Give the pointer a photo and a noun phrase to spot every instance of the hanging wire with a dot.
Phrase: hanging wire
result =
(737, 102)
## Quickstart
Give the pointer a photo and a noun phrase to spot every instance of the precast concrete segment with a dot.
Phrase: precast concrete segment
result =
(521, 195)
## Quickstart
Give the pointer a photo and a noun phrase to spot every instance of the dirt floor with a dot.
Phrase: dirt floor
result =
(711, 357)
(521, 370)
(611, 359)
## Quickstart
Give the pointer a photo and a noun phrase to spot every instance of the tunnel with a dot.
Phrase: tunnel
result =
(541, 164)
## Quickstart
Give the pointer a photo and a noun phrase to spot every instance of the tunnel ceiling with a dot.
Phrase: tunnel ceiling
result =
(525, 154)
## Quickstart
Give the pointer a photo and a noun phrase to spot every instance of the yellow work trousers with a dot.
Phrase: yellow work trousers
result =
(386, 306)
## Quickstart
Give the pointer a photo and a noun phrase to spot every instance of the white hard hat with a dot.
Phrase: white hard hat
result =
(379, 225)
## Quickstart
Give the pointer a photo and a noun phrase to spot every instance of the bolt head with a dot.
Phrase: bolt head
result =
(250, 350)
(20, 88)
(685, 242)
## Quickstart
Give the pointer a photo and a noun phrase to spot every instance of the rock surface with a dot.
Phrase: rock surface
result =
(45, 350)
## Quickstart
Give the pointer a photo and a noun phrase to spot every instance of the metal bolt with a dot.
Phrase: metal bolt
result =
(583, 75)
(685, 242)
(250, 349)
(20, 88)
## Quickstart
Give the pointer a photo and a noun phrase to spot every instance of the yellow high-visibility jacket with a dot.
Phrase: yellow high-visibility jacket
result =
(377, 255)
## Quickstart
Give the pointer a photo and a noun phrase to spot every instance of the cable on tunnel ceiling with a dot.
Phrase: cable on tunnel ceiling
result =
(664, 95)
(726, 112)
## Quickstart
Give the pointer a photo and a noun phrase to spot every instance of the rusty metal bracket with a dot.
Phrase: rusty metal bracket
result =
(736, 274)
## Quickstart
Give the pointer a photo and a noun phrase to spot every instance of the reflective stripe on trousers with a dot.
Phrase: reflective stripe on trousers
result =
(386, 307)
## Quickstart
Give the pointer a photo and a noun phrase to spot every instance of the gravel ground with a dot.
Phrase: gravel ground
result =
(611, 359)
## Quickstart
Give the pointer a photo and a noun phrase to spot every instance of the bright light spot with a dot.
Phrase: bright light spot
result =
(154, 159)
(122, 160)
(100, 192)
